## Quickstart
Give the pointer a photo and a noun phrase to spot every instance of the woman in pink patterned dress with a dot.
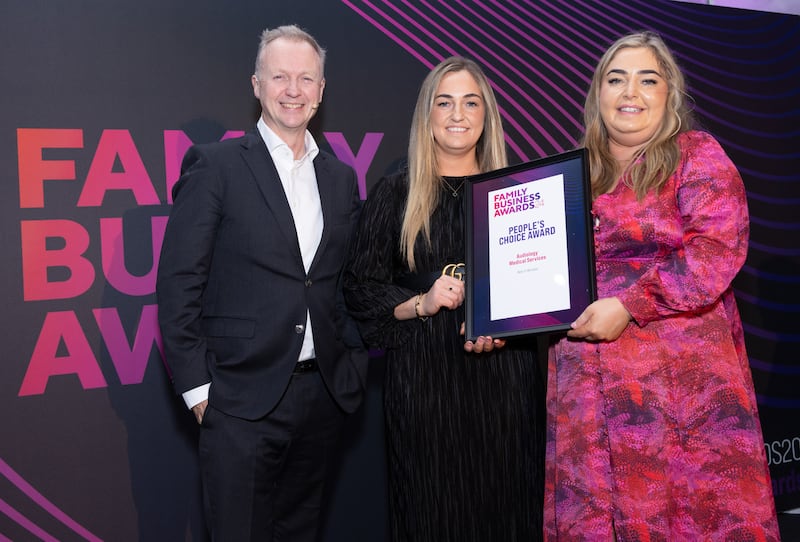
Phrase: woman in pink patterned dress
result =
(653, 432)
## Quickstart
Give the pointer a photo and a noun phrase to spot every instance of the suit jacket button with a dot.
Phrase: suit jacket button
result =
(308, 282)
(299, 328)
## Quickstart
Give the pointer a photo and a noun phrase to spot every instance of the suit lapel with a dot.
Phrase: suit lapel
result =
(326, 199)
(257, 158)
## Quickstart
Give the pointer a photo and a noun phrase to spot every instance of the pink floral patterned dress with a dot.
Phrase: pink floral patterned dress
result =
(656, 436)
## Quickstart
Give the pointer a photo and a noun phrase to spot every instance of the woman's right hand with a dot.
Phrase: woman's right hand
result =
(447, 292)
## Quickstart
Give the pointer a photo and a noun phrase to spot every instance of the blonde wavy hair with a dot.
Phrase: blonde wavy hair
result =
(660, 155)
(423, 173)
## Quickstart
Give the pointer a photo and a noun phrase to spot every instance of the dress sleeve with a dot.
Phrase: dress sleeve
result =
(369, 288)
(712, 203)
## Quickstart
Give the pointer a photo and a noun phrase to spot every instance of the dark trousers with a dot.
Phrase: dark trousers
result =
(263, 480)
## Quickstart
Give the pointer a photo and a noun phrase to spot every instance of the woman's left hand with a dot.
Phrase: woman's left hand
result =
(603, 320)
(482, 344)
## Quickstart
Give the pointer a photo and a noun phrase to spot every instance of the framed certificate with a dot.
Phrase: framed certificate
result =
(530, 247)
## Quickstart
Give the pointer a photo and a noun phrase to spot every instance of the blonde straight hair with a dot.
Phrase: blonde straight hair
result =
(661, 154)
(424, 181)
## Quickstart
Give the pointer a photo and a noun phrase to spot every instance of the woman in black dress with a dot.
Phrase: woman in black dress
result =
(464, 430)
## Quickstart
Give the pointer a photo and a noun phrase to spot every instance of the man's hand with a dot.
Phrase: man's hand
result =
(199, 410)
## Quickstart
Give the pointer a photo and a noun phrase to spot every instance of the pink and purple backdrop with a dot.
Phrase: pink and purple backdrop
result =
(101, 99)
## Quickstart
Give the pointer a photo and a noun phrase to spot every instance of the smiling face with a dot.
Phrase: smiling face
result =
(457, 115)
(289, 85)
(633, 99)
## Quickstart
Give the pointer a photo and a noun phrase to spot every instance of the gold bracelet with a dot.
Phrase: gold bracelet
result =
(416, 308)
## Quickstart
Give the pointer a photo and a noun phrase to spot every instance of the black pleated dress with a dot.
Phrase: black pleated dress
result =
(464, 432)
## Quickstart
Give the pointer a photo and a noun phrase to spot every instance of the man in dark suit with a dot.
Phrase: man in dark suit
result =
(250, 307)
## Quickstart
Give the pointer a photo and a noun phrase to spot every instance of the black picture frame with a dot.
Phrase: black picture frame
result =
(548, 203)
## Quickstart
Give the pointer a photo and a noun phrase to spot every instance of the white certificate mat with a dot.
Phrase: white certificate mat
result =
(528, 260)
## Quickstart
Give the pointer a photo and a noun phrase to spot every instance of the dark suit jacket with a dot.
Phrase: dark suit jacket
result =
(232, 289)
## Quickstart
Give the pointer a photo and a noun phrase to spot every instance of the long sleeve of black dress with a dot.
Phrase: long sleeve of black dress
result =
(373, 277)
